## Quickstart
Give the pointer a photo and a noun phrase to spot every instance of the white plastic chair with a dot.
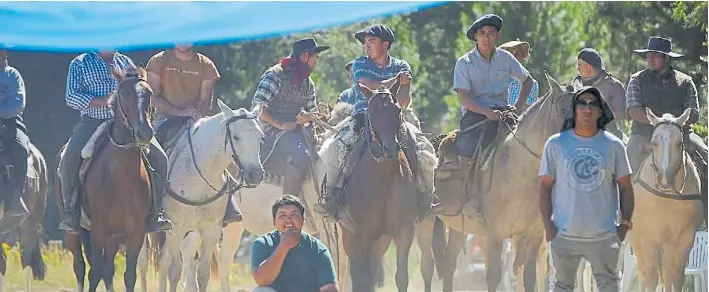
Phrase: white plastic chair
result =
(697, 263)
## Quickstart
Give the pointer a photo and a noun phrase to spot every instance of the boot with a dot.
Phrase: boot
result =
(157, 220)
(232, 213)
(428, 203)
(70, 221)
(14, 205)
(476, 215)
(329, 207)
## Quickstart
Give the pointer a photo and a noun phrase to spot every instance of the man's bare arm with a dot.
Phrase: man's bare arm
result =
(545, 206)
(627, 198)
(206, 94)
(157, 100)
(268, 271)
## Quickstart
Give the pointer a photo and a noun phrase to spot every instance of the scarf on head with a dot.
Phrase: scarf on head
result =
(606, 113)
(299, 71)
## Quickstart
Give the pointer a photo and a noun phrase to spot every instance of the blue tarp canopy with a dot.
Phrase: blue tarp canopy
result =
(80, 26)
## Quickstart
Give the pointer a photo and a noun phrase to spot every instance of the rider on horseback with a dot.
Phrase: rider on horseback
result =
(348, 95)
(592, 72)
(375, 70)
(183, 86)
(14, 138)
(481, 77)
(664, 90)
(89, 86)
(284, 90)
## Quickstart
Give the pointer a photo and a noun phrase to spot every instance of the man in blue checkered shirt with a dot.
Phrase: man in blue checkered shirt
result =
(89, 85)
(520, 50)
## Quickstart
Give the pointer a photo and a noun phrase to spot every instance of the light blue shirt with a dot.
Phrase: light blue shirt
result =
(12, 93)
(365, 67)
(487, 81)
(585, 171)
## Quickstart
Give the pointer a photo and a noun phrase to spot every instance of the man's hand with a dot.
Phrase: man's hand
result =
(289, 126)
(551, 232)
(404, 77)
(290, 238)
(190, 112)
(495, 115)
(622, 232)
(302, 119)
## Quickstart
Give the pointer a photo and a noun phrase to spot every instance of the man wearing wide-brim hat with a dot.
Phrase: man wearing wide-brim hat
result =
(283, 91)
(662, 89)
(481, 77)
(521, 51)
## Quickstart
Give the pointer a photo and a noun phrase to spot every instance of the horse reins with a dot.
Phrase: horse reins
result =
(124, 119)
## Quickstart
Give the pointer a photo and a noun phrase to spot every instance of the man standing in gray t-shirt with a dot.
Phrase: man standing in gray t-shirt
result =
(583, 173)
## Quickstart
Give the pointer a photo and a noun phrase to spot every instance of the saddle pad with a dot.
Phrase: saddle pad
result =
(92, 144)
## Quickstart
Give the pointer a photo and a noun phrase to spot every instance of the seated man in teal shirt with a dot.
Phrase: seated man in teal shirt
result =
(288, 259)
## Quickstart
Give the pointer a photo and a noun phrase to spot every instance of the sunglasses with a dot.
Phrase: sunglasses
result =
(587, 104)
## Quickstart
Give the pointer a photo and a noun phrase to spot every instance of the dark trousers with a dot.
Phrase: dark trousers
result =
(292, 148)
(467, 143)
(16, 144)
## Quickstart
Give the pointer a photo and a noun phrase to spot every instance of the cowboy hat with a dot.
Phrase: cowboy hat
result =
(659, 45)
(307, 45)
(518, 46)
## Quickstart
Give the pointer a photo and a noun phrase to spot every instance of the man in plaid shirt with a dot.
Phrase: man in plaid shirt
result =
(89, 85)
(520, 50)
(284, 90)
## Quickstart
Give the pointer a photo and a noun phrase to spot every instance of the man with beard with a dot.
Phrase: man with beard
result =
(375, 70)
(592, 72)
(585, 179)
(284, 90)
(183, 86)
(664, 90)
(288, 259)
(14, 137)
(89, 85)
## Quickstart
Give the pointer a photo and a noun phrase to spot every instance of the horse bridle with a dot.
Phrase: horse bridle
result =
(124, 119)
(653, 164)
(371, 136)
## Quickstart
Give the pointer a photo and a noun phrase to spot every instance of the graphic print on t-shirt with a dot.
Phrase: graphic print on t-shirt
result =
(584, 167)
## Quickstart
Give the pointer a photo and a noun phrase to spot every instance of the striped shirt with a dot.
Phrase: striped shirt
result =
(90, 77)
(363, 67)
(348, 96)
(514, 89)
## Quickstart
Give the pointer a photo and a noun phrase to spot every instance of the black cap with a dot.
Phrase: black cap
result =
(487, 19)
(592, 57)
(378, 30)
(306, 45)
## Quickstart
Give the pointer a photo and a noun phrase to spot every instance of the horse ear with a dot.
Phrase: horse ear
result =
(228, 112)
(117, 73)
(555, 86)
(681, 120)
(141, 72)
(365, 90)
(394, 88)
(654, 120)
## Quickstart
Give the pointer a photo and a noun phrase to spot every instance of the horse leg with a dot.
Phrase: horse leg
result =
(133, 248)
(170, 268)
(674, 260)
(543, 267)
(109, 268)
(403, 242)
(526, 248)
(73, 242)
(188, 250)
(224, 254)
(360, 252)
(494, 262)
(3, 268)
(424, 236)
(210, 238)
(647, 256)
(143, 264)
(32, 262)
(456, 242)
(97, 250)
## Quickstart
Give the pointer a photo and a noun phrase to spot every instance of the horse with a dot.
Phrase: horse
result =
(381, 200)
(668, 210)
(198, 190)
(115, 194)
(28, 225)
(253, 201)
(511, 209)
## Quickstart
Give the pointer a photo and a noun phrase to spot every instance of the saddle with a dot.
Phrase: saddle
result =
(169, 131)
(98, 141)
(275, 167)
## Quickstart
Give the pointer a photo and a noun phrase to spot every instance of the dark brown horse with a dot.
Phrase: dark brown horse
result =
(380, 196)
(116, 190)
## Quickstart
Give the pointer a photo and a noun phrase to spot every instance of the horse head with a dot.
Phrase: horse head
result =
(667, 147)
(131, 103)
(243, 143)
(384, 118)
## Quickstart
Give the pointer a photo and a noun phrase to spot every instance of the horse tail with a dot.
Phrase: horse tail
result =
(380, 275)
(36, 263)
(157, 240)
(439, 246)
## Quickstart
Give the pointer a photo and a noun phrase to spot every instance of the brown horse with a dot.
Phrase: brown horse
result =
(380, 196)
(116, 190)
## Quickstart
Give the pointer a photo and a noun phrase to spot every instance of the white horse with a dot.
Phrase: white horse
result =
(255, 206)
(198, 192)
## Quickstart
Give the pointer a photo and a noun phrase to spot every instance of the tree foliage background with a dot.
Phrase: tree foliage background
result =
(430, 40)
